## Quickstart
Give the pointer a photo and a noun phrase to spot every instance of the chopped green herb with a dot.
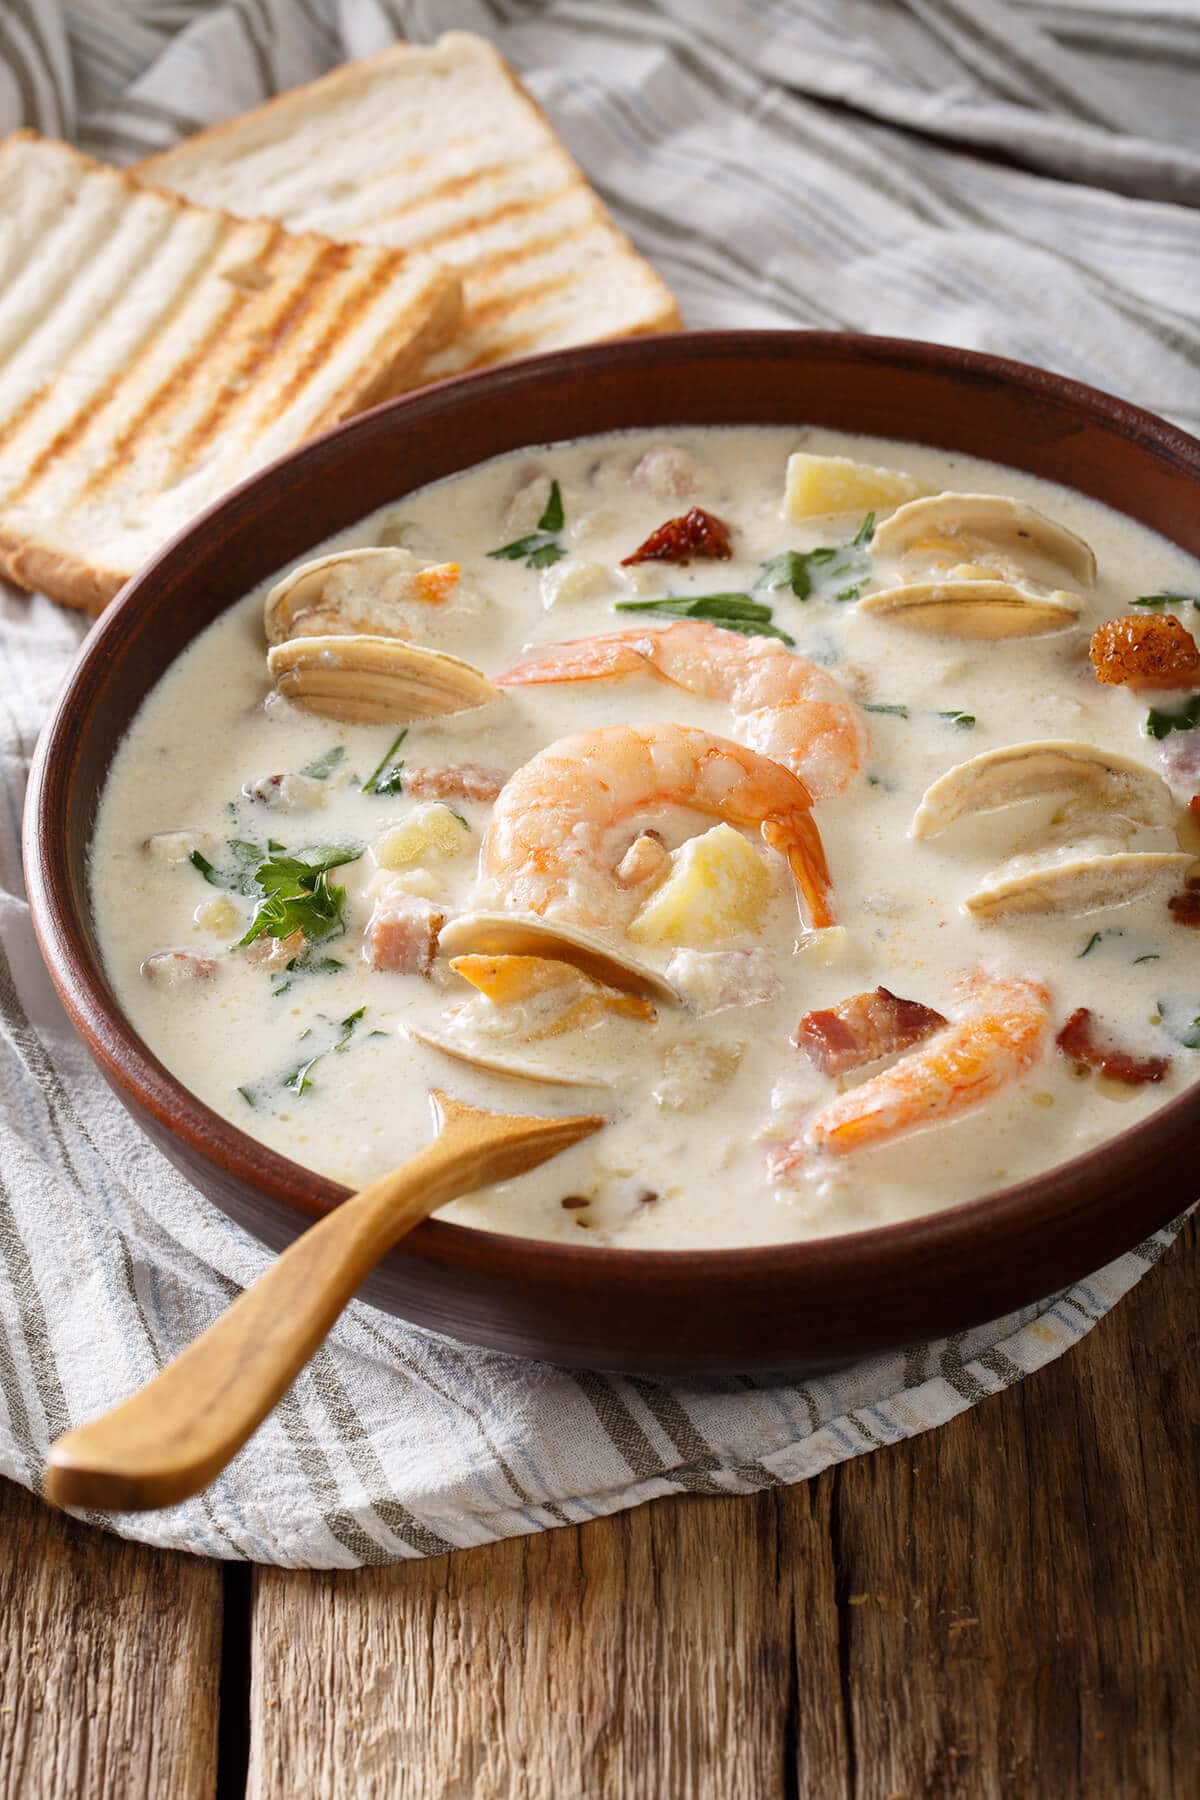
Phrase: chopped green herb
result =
(1181, 1019)
(248, 1096)
(240, 878)
(206, 869)
(387, 777)
(1162, 724)
(295, 894)
(347, 1028)
(787, 570)
(865, 532)
(538, 549)
(381, 1034)
(300, 1079)
(850, 593)
(794, 569)
(552, 518)
(1168, 600)
(322, 767)
(964, 720)
(281, 986)
(1090, 945)
(1151, 956)
(465, 823)
(733, 612)
(898, 712)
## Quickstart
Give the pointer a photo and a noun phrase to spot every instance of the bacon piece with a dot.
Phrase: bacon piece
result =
(695, 533)
(175, 969)
(1154, 650)
(402, 933)
(1185, 908)
(454, 781)
(863, 1028)
(1077, 1041)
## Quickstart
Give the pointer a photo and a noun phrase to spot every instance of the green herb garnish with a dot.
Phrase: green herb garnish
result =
(1168, 600)
(1151, 956)
(803, 570)
(1162, 724)
(733, 612)
(295, 894)
(865, 532)
(300, 1078)
(1180, 1018)
(248, 1096)
(538, 549)
(964, 720)
(897, 712)
(465, 823)
(322, 767)
(1090, 945)
(238, 879)
(387, 777)
(787, 570)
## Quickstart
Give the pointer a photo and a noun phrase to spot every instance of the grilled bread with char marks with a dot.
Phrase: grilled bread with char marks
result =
(437, 149)
(153, 353)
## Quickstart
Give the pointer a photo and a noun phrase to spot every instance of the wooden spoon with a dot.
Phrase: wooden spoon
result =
(176, 1434)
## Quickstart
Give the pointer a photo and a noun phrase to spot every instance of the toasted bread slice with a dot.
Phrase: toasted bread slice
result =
(152, 353)
(437, 148)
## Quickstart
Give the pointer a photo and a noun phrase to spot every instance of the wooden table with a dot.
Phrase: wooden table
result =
(1006, 1606)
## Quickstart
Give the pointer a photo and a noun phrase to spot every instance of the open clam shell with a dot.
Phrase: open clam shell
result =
(974, 608)
(962, 524)
(512, 1067)
(353, 592)
(1042, 767)
(525, 934)
(375, 680)
(1073, 882)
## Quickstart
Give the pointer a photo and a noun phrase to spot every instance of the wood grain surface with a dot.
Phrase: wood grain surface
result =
(1004, 1607)
(109, 1663)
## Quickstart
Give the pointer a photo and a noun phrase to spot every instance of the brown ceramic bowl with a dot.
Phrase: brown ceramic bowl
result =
(798, 1307)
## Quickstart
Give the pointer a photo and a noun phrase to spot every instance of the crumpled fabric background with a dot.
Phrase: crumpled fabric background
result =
(1017, 176)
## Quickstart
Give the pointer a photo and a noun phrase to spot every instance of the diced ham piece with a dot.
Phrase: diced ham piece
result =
(453, 781)
(863, 1028)
(402, 933)
(668, 471)
(172, 970)
(1185, 908)
(695, 534)
(1077, 1041)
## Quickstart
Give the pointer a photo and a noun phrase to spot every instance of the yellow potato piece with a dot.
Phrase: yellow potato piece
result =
(429, 831)
(506, 980)
(834, 484)
(718, 886)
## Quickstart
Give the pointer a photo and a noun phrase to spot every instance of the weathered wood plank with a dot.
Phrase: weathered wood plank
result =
(109, 1663)
(1017, 1589)
(649, 1654)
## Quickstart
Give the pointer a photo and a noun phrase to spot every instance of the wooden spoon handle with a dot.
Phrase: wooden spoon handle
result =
(177, 1433)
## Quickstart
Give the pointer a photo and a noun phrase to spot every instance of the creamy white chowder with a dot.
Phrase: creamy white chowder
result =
(308, 1046)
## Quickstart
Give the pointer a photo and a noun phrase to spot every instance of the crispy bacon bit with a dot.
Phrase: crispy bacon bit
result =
(454, 781)
(1185, 908)
(1194, 807)
(1076, 1041)
(1155, 651)
(402, 933)
(863, 1028)
(694, 534)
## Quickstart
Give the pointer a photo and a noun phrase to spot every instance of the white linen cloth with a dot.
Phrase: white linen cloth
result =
(1007, 174)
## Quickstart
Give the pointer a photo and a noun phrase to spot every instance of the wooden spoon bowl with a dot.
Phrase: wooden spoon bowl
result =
(799, 1307)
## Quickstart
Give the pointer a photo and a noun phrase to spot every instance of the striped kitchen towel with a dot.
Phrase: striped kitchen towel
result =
(1020, 176)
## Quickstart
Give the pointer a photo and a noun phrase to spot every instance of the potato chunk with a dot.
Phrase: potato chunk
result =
(718, 886)
(429, 831)
(816, 485)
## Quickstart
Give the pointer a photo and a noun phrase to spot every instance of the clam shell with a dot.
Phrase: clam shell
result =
(353, 592)
(525, 934)
(375, 680)
(1045, 766)
(1080, 883)
(986, 519)
(509, 1066)
(975, 609)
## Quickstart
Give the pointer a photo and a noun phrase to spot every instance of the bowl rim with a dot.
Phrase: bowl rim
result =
(1020, 1210)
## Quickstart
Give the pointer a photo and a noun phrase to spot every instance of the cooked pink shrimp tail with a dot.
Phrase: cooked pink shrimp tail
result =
(564, 820)
(788, 708)
(1000, 1033)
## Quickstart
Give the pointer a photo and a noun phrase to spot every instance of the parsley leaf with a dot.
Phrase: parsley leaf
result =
(733, 612)
(1168, 599)
(299, 1079)
(787, 570)
(552, 518)
(322, 767)
(898, 712)
(964, 720)
(1162, 724)
(387, 777)
(1090, 945)
(295, 894)
(538, 549)
(865, 532)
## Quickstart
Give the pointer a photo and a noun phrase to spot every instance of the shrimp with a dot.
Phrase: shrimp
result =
(1000, 1033)
(787, 708)
(555, 839)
